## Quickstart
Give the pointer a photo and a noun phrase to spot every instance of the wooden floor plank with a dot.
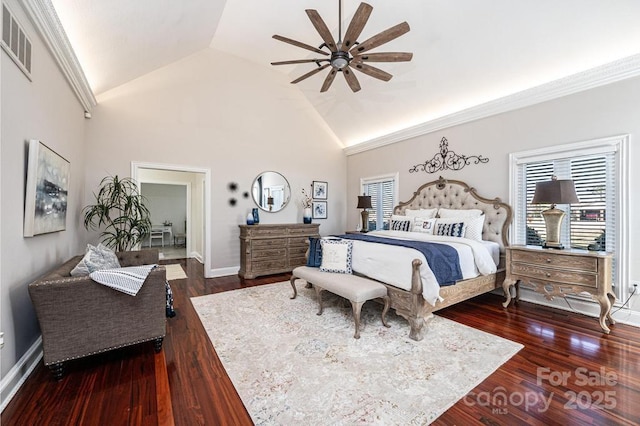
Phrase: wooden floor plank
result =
(187, 385)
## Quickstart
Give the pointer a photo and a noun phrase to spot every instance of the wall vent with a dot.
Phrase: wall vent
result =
(15, 42)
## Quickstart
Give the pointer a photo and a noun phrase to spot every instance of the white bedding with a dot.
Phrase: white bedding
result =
(476, 258)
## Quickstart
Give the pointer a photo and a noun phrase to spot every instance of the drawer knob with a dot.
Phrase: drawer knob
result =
(548, 274)
(548, 260)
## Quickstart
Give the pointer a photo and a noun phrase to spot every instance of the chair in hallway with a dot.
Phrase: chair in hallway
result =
(156, 234)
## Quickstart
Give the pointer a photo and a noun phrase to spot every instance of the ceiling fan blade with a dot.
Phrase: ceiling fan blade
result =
(372, 71)
(352, 81)
(384, 57)
(356, 26)
(329, 80)
(309, 74)
(298, 61)
(322, 29)
(381, 38)
(299, 44)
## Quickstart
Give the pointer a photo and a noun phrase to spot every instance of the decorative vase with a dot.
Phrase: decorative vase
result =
(306, 215)
(256, 216)
(250, 218)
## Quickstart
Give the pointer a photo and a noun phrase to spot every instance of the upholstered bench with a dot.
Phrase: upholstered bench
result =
(352, 287)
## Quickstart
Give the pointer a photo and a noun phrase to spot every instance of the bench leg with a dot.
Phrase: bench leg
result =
(293, 286)
(357, 306)
(319, 295)
(385, 310)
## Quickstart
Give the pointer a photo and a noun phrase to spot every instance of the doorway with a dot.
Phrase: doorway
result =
(190, 230)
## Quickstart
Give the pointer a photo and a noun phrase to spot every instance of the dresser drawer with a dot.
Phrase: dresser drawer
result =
(259, 231)
(302, 231)
(267, 265)
(577, 263)
(556, 275)
(297, 251)
(297, 261)
(299, 241)
(269, 243)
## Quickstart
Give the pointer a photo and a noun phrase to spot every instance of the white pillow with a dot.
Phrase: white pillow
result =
(95, 258)
(425, 213)
(473, 226)
(336, 256)
(458, 213)
(425, 225)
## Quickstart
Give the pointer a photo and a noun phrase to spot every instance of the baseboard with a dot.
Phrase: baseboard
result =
(197, 256)
(221, 272)
(15, 378)
(582, 306)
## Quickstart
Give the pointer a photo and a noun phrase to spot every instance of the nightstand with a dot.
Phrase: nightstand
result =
(557, 273)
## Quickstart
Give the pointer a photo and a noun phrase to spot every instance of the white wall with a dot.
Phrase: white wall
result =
(238, 119)
(166, 203)
(609, 110)
(45, 109)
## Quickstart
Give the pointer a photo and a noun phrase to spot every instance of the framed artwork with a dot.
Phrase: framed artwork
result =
(319, 190)
(319, 210)
(47, 189)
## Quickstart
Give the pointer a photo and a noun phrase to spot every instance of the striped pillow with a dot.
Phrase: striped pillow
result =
(451, 229)
(401, 225)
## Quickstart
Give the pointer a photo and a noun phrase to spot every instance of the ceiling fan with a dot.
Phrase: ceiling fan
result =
(348, 54)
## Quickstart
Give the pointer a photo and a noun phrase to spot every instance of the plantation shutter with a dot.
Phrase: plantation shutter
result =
(382, 201)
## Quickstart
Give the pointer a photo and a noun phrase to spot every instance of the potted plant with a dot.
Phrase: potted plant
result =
(120, 209)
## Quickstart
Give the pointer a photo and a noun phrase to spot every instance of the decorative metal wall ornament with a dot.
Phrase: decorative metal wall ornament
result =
(446, 159)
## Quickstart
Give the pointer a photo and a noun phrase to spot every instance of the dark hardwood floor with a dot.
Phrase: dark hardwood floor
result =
(567, 373)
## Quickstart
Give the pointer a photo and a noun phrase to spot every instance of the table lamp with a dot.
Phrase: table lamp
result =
(554, 192)
(364, 203)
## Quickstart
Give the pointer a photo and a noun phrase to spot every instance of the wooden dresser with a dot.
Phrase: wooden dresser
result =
(561, 272)
(273, 249)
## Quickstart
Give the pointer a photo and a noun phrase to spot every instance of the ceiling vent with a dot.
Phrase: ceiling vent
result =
(15, 42)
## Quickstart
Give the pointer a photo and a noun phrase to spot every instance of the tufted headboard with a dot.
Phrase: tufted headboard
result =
(455, 194)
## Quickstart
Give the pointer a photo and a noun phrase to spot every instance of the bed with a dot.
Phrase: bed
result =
(412, 295)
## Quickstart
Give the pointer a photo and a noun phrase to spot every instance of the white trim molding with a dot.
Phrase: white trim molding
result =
(15, 378)
(45, 19)
(612, 72)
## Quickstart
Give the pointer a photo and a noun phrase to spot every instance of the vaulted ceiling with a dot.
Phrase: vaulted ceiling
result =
(466, 52)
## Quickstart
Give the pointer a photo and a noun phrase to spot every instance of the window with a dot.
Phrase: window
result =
(597, 169)
(384, 196)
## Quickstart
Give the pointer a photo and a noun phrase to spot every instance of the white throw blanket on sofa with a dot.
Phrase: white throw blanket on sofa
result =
(127, 280)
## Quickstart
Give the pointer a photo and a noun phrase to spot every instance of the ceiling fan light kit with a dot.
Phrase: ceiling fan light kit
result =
(347, 54)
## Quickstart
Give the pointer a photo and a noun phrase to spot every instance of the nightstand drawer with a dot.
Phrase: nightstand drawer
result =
(576, 263)
(557, 275)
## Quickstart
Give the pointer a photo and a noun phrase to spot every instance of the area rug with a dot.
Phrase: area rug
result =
(175, 272)
(291, 366)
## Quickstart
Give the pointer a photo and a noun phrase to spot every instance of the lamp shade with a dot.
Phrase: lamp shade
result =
(364, 202)
(555, 191)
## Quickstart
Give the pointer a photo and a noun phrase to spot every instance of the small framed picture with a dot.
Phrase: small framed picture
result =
(320, 190)
(319, 210)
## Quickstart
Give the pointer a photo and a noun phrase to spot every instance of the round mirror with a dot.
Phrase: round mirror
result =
(271, 191)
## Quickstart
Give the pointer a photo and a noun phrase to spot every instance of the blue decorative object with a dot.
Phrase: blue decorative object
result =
(249, 218)
(256, 216)
(306, 215)
(315, 252)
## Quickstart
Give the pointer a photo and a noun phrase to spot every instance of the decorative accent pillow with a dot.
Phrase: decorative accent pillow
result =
(450, 229)
(421, 224)
(425, 213)
(401, 223)
(459, 213)
(336, 256)
(315, 253)
(95, 258)
(473, 226)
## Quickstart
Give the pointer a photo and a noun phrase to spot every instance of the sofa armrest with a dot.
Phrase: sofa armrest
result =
(79, 317)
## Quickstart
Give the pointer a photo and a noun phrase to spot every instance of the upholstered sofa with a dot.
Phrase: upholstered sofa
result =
(79, 317)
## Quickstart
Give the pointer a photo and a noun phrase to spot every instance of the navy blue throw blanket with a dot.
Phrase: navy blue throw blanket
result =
(442, 259)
